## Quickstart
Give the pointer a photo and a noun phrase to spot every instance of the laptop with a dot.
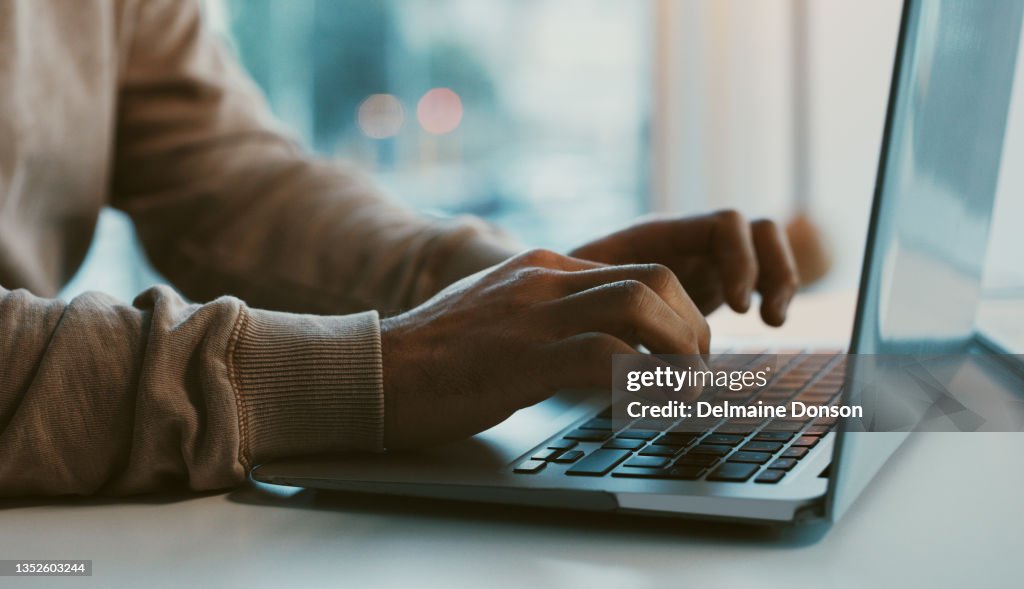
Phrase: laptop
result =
(919, 292)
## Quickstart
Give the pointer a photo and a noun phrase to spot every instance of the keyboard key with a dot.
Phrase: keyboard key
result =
(698, 425)
(818, 430)
(711, 449)
(736, 428)
(783, 464)
(562, 444)
(698, 460)
(753, 421)
(598, 423)
(785, 426)
(637, 434)
(641, 473)
(817, 399)
(806, 441)
(773, 437)
(547, 454)
(676, 439)
(569, 457)
(588, 435)
(770, 477)
(678, 472)
(795, 453)
(726, 439)
(659, 450)
(734, 472)
(652, 423)
(762, 446)
(619, 444)
(647, 462)
(751, 457)
(598, 463)
(687, 473)
(530, 467)
(732, 395)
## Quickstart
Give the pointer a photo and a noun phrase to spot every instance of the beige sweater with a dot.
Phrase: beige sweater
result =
(133, 103)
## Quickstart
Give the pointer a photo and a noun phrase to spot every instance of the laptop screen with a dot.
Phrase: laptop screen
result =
(937, 177)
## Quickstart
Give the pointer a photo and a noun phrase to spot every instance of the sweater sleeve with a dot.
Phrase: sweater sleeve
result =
(226, 203)
(102, 397)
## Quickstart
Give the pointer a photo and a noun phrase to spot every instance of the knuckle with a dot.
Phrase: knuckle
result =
(767, 225)
(659, 276)
(730, 217)
(631, 293)
(537, 257)
(704, 334)
(532, 284)
(792, 280)
(529, 275)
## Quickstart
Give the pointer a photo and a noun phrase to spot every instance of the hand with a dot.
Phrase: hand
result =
(509, 336)
(718, 258)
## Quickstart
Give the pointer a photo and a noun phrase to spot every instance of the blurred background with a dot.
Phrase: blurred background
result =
(563, 119)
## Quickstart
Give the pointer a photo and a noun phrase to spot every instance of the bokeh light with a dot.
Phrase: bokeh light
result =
(380, 116)
(439, 111)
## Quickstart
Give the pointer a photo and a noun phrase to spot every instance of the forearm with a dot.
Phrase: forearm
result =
(100, 397)
(226, 203)
(264, 222)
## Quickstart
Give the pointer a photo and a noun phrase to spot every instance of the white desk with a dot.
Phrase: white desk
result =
(944, 513)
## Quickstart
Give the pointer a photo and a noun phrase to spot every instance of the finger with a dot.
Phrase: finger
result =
(710, 302)
(584, 360)
(723, 236)
(630, 311)
(704, 284)
(732, 247)
(778, 278)
(658, 278)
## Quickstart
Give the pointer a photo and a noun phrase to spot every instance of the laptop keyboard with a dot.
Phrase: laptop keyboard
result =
(721, 450)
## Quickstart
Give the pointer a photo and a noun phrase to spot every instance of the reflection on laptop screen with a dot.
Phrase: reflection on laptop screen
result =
(937, 181)
(938, 175)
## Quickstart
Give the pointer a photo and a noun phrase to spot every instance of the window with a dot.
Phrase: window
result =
(530, 114)
(544, 116)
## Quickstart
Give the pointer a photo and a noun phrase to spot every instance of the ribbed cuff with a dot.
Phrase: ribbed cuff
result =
(307, 384)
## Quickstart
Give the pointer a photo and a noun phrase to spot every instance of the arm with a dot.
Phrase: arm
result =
(102, 397)
(226, 203)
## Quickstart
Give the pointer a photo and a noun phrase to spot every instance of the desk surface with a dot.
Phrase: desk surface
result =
(943, 513)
